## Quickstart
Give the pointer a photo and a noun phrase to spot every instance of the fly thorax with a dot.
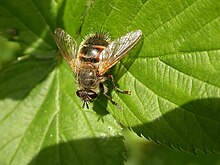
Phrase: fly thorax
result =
(87, 78)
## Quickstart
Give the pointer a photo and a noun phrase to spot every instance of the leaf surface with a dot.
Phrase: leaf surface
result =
(173, 74)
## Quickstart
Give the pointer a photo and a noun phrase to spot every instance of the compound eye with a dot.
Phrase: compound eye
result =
(79, 93)
(92, 94)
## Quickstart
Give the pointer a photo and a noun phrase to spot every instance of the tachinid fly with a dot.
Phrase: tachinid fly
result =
(95, 56)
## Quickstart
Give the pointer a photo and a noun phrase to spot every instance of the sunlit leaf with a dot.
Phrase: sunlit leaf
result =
(42, 123)
(173, 73)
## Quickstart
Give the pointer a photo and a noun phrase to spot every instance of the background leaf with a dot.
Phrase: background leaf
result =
(30, 23)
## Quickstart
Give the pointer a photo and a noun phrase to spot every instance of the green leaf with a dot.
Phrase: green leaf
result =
(42, 124)
(26, 22)
(32, 23)
(173, 74)
(175, 77)
(41, 118)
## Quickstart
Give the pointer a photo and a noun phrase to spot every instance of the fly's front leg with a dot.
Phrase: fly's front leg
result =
(105, 91)
(116, 88)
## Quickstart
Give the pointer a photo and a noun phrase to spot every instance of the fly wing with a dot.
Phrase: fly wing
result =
(67, 46)
(116, 50)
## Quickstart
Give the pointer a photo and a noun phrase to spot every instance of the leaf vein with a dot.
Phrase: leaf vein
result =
(170, 125)
(41, 14)
(164, 97)
(193, 77)
(28, 127)
(58, 103)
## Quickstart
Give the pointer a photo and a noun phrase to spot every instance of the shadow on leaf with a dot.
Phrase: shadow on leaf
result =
(102, 150)
(192, 127)
(20, 78)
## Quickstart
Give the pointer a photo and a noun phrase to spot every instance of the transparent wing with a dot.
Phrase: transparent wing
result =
(67, 46)
(117, 49)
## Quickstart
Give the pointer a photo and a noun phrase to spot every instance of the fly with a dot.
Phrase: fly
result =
(95, 56)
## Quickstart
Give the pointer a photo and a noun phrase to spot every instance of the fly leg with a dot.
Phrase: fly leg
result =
(116, 88)
(105, 91)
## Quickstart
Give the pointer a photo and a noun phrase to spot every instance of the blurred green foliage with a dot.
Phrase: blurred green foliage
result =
(145, 152)
(10, 51)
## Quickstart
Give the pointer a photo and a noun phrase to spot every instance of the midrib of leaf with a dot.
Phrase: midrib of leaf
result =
(16, 16)
(58, 103)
